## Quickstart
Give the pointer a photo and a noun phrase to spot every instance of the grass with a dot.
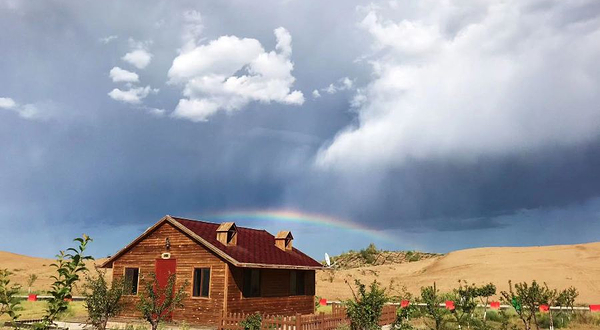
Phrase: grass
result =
(324, 309)
(36, 309)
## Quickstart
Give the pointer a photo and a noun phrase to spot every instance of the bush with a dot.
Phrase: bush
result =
(365, 309)
(252, 322)
(369, 254)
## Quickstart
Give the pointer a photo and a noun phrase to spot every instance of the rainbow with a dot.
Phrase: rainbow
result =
(294, 216)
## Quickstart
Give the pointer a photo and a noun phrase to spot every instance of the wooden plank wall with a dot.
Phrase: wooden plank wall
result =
(275, 290)
(189, 255)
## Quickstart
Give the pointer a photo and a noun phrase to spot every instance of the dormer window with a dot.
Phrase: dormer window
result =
(283, 240)
(227, 233)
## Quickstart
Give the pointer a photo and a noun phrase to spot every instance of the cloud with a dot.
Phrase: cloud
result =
(341, 85)
(133, 95)
(463, 81)
(140, 58)
(26, 111)
(7, 103)
(228, 73)
(120, 75)
(108, 39)
(316, 94)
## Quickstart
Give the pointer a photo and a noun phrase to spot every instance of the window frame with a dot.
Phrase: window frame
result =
(137, 285)
(209, 282)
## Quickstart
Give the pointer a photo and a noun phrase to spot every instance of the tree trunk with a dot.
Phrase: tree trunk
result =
(154, 325)
(551, 320)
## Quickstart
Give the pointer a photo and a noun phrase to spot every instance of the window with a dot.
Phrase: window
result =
(297, 287)
(251, 282)
(131, 279)
(201, 286)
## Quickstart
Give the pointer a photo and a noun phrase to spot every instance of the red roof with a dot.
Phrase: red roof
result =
(253, 246)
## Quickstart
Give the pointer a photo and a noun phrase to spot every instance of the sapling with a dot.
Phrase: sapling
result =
(430, 295)
(30, 280)
(158, 302)
(9, 303)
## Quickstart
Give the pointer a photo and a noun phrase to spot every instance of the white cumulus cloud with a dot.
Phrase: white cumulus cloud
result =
(140, 58)
(473, 78)
(120, 75)
(7, 103)
(228, 73)
(133, 95)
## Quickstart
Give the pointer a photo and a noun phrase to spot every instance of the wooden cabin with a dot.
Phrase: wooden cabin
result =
(228, 268)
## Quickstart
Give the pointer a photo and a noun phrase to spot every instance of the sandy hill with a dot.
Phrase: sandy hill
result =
(22, 266)
(559, 266)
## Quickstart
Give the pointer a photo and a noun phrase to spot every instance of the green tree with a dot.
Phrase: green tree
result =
(430, 295)
(9, 303)
(465, 304)
(70, 265)
(364, 310)
(101, 300)
(526, 300)
(157, 302)
(252, 322)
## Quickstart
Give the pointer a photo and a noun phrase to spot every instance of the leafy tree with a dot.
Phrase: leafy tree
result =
(526, 299)
(365, 309)
(30, 280)
(566, 298)
(70, 264)
(156, 302)
(9, 303)
(101, 300)
(430, 295)
(484, 293)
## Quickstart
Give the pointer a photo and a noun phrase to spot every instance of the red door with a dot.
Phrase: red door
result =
(164, 268)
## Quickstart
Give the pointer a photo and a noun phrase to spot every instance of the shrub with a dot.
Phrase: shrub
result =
(252, 322)
(9, 303)
(365, 309)
(101, 301)
(369, 254)
(157, 302)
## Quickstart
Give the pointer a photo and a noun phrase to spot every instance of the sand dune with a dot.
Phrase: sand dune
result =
(22, 266)
(559, 266)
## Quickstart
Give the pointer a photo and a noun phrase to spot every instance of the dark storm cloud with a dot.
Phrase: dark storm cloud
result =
(96, 163)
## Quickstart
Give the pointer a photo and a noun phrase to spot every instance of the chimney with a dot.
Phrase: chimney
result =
(227, 233)
(283, 240)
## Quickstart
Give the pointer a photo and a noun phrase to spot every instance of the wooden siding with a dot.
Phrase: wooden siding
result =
(189, 255)
(275, 294)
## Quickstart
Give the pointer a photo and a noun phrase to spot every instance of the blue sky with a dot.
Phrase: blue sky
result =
(439, 125)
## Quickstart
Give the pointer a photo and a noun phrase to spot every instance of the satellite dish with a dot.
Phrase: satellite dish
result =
(327, 260)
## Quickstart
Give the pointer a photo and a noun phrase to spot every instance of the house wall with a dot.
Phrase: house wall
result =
(189, 255)
(275, 293)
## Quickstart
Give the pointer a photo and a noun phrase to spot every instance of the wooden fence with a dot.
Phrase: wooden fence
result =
(322, 321)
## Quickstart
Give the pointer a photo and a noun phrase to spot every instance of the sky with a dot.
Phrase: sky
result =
(415, 125)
